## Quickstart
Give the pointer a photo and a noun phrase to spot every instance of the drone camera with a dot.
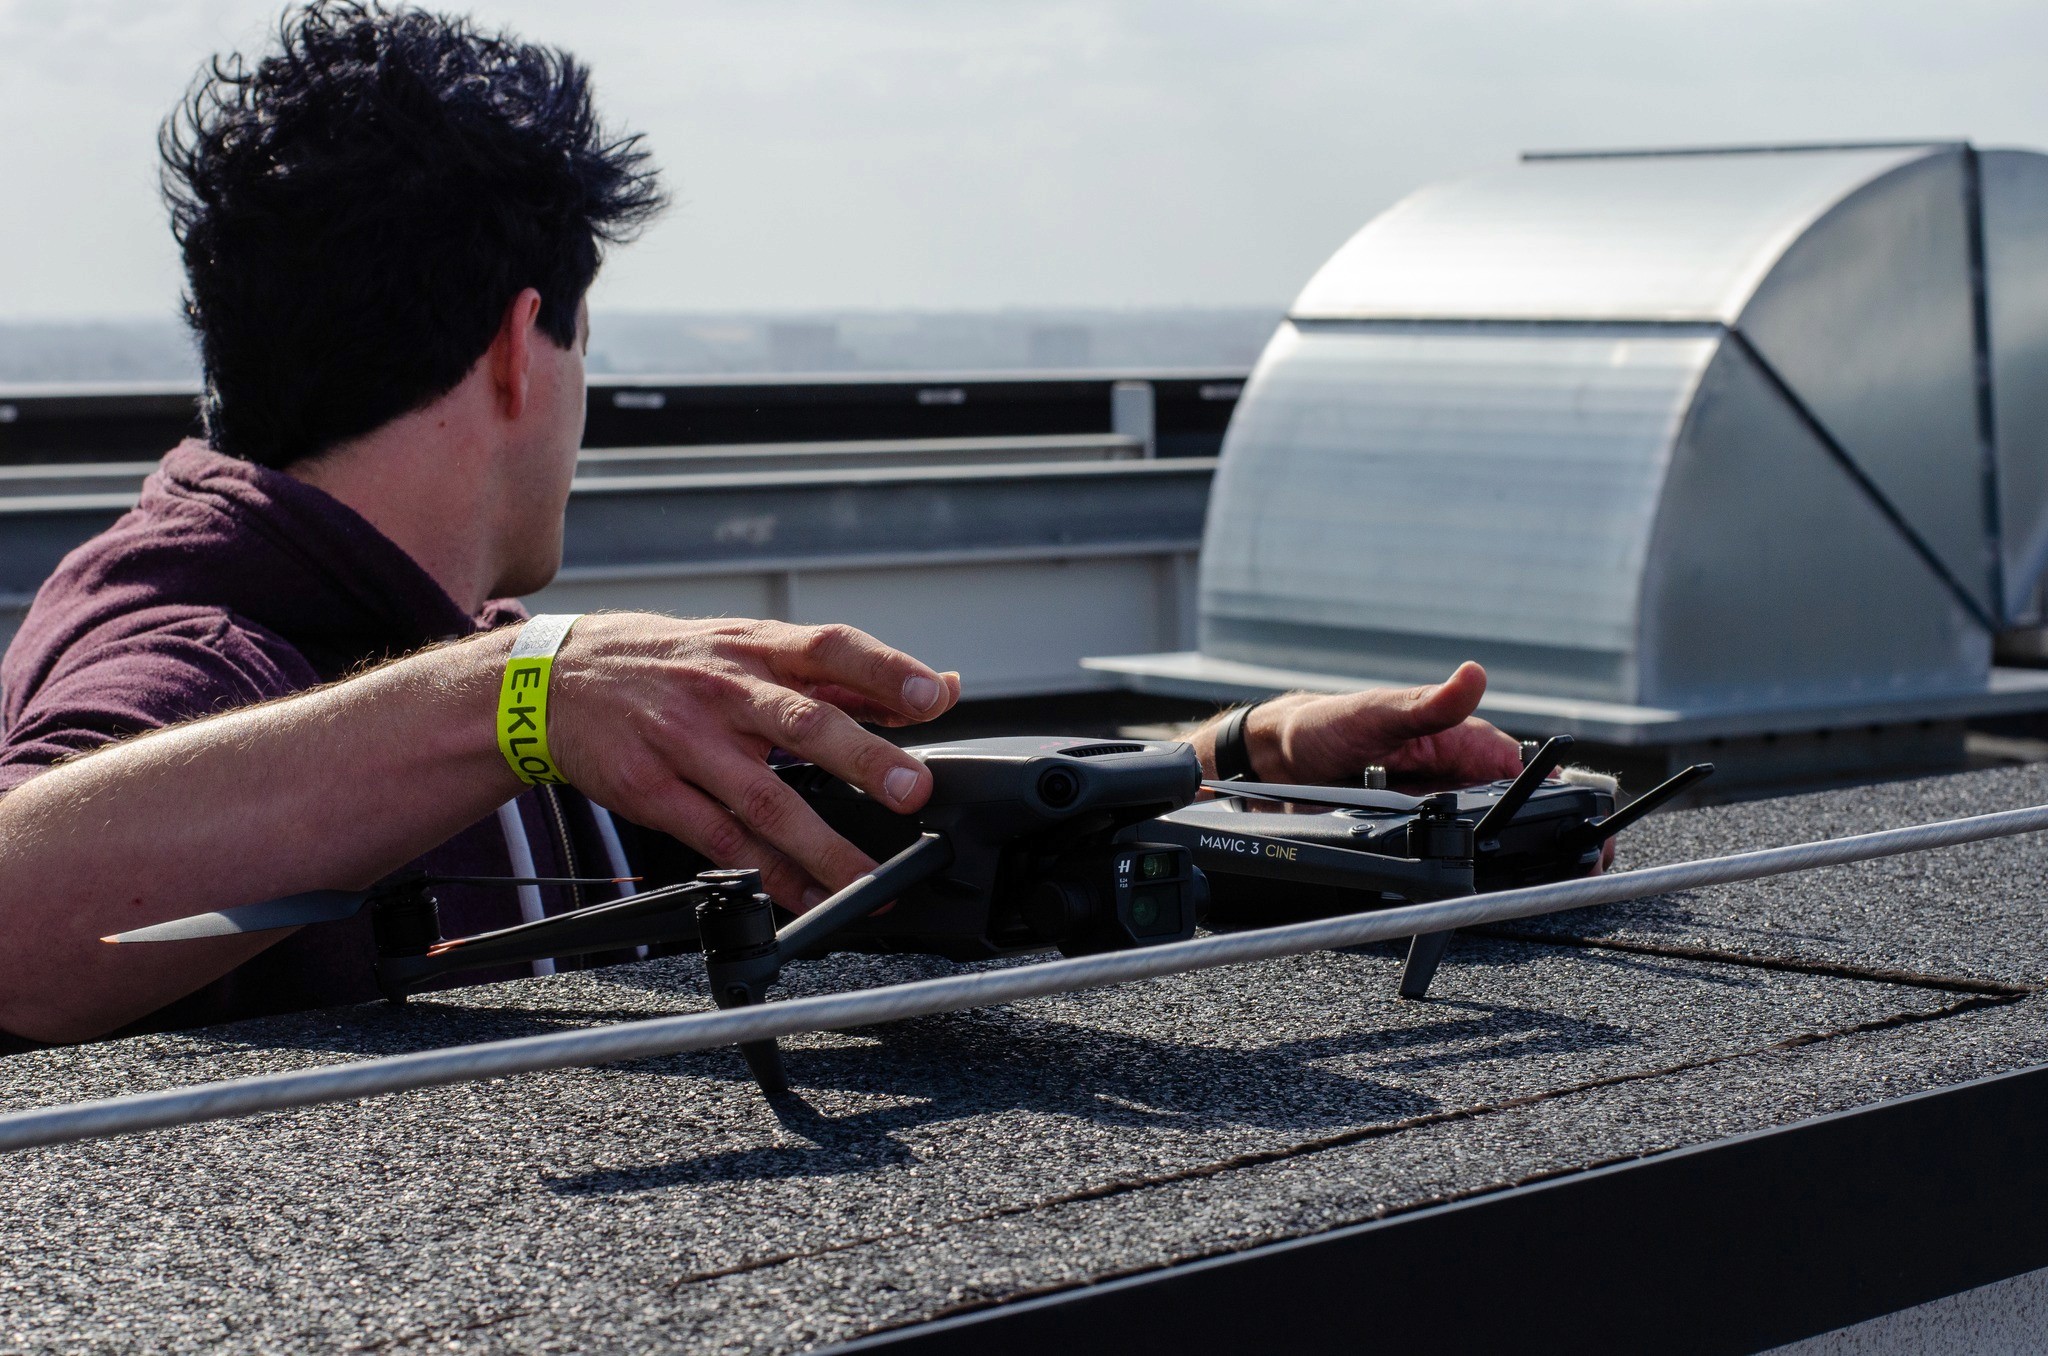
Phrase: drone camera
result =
(1030, 824)
(1119, 896)
(1160, 893)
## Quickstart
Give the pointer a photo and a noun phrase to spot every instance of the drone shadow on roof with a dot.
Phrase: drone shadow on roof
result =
(973, 1066)
(1508, 953)
(423, 1023)
(1670, 916)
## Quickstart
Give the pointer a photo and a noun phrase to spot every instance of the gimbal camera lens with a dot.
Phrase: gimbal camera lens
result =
(1054, 909)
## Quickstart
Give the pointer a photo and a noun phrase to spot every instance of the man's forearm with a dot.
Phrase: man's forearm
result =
(667, 721)
(330, 789)
(1427, 732)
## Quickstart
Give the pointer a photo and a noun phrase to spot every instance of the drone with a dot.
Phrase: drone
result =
(1028, 843)
(1348, 849)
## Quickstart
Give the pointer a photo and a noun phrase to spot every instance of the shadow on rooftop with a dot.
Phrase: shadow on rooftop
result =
(980, 1067)
(1672, 916)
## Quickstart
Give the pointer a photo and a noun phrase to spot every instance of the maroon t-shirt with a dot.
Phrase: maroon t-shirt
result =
(230, 584)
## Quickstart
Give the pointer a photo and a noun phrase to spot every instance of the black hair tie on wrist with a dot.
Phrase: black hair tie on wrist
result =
(1233, 759)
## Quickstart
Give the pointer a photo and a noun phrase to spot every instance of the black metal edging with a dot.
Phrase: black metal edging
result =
(1191, 409)
(1735, 1246)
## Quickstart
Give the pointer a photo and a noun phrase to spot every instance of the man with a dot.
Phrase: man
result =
(281, 671)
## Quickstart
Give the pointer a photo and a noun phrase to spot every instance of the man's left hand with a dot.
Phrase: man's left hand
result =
(1425, 734)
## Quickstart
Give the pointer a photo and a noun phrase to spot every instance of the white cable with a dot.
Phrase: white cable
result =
(520, 850)
(867, 1007)
(615, 853)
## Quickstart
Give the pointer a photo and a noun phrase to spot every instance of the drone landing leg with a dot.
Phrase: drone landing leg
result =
(764, 1062)
(737, 929)
(743, 953)
(1425, 953)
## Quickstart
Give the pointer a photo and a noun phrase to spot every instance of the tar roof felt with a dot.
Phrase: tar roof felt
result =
(955, 1161)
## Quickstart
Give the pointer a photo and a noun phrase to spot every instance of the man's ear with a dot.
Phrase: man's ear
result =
(511, 353)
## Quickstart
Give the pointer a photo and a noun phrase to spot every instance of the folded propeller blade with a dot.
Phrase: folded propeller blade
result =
(319, 906)
(1524, 786)
(291, 911)
(522, 880)
(1600, 830)
(1342, 797)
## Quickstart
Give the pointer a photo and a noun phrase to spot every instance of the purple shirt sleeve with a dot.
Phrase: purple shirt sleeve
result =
(156, 668)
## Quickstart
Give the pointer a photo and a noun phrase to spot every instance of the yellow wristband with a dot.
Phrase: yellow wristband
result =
(523, 699)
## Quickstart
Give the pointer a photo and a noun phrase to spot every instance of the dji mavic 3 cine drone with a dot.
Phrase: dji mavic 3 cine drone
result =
(1034, 843)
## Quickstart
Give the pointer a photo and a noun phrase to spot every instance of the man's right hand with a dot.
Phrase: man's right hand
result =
(670, 723)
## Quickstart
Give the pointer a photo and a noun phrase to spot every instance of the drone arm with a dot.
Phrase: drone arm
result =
(638, 920)
(595, 927)
(919, 862)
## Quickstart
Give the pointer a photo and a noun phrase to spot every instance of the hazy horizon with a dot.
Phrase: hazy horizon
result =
(907, 155)
(158, 349)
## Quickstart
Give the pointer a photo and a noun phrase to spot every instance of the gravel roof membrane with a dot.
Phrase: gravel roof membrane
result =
(944, 1163)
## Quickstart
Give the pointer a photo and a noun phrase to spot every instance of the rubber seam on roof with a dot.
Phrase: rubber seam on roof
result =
(1779, 964)
(1863, 481)
(1449, 1197)
(1323, 1144)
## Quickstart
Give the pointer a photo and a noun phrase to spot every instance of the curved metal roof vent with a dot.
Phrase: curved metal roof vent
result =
(1664, 439)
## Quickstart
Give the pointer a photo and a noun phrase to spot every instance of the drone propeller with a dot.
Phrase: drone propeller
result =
(1600, 830)
(1539, 766)
(320, 906)
(1342, 797)
(314, 906)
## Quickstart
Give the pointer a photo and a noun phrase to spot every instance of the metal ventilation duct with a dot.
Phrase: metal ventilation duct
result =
(1671, 442)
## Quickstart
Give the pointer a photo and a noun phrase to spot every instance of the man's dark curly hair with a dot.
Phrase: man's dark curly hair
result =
(358, 208)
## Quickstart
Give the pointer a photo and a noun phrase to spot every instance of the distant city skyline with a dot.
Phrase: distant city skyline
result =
(909, 155)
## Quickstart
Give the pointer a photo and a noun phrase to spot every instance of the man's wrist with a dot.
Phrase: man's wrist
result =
(1248, 741)
(524, 697)
(1265, 741)
(1229, 755)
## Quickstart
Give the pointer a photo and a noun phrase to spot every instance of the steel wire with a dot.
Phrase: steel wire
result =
(868, 1007)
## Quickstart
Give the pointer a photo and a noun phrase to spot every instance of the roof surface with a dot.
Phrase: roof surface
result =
(950, 1162)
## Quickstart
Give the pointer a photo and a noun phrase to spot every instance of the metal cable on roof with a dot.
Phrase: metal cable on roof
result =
(867, 1007)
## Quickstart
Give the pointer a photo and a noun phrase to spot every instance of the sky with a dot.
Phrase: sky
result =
(984, 154)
